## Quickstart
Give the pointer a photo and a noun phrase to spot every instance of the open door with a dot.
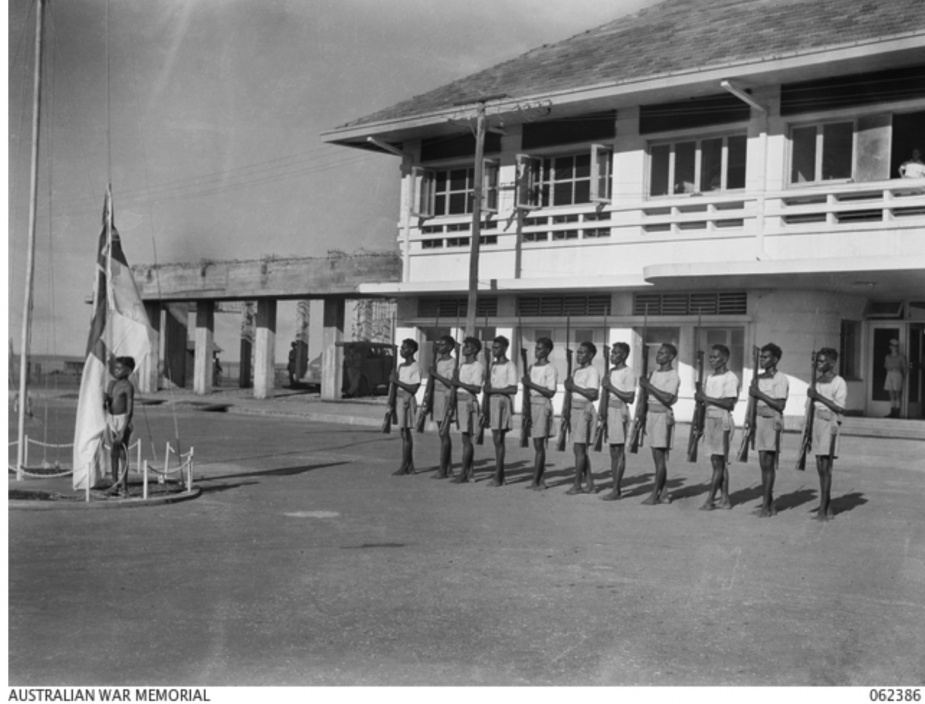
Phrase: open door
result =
(911, 338)
(915, 347)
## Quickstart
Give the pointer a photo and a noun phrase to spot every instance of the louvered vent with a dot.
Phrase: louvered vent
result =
(719, 303)
(559, 306)
(452, 308)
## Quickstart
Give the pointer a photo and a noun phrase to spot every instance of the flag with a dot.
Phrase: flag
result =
(119, 327)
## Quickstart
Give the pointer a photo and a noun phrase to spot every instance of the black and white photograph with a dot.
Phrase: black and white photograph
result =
(358, 348)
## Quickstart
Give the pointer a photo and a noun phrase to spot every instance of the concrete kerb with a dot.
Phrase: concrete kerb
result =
(75, 503)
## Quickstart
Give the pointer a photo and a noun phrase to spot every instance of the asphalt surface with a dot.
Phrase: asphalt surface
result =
(304, 562)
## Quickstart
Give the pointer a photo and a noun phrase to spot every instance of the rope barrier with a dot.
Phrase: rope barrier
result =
(141, 466)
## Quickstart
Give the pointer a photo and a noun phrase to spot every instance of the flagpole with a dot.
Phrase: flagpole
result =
(30, 249)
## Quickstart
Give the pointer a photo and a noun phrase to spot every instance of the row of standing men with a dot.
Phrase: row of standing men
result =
(455, 382)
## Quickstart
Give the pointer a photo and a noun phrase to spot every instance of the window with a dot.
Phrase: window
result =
(697, 166)
(440, 192)
(564, 180)
(822, 152)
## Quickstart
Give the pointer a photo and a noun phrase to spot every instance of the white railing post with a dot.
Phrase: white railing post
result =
(144, 480)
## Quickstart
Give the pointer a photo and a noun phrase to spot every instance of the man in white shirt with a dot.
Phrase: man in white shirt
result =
(583, 385)
(720, 394)
(542, 382)
(621, 385)
(501, 387)
(830, 397)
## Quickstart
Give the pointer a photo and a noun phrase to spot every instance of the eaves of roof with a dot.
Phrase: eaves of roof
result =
(674, 41)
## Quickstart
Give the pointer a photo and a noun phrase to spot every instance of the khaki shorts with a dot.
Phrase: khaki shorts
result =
(618, 419)
(500, 412)
(584, 422)
(541, 416)
(658, 430)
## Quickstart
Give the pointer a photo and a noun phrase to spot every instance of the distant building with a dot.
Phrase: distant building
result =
(702, 171)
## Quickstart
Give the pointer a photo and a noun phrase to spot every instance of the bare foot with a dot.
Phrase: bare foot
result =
(590, 489)
(496, 482)
(400, 471)
(538, 486)
(765, 512)
(614, 495)
(574, 490)
(664, 498)
(651, 501)
(726, 504)
(707, 506)
(461, 478)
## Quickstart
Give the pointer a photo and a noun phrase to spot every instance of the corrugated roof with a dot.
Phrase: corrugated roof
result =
(671, 37)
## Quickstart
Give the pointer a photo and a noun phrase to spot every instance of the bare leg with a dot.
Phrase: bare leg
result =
(446, 453)
(468, 452)
(617, 467)
(767, 461)
(659, 492)
(498, 438)
(539, 464)
(724, 487)
(824, 468)
(579, 450)
(715, 483)
(586, 470)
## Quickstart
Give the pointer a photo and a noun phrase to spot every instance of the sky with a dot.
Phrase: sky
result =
(206, 116)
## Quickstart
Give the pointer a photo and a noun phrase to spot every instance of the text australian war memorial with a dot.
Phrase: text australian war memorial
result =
(699, 172)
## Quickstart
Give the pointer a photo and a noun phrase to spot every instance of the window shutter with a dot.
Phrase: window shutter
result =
(422, 205)
(600, 173)
(528, 168)
(490, 185)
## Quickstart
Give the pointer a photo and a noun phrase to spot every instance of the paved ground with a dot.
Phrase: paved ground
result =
(305, 563)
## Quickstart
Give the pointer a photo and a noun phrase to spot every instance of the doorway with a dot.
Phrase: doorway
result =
(911, 337)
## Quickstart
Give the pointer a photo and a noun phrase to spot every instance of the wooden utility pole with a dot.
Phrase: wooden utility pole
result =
(476, 219)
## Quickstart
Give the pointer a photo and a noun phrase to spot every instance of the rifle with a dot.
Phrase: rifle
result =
(700, 410)
(450, 412)
(806, 442)
(427, 405)
(391, 415)
(751, 413)
(526, 416)
(602, 428)
(565, 426)
(485, 417)
(642, 403)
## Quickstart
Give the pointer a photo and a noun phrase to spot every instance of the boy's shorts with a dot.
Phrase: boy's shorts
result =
(584, 422)
(618, 420)
(541, 416)
(500, 412)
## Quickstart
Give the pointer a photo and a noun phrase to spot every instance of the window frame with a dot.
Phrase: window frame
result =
(424, 196)
(819, 145)
(532, 176)
(698, 140)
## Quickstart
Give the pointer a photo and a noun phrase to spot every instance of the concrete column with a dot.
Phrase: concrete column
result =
(148, 370)
(265, 353)
(332, 359)
(204, 335)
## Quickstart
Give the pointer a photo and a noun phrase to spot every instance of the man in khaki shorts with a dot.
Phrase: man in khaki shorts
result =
(542, 381)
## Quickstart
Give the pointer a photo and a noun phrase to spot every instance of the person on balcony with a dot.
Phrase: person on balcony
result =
(914, 167)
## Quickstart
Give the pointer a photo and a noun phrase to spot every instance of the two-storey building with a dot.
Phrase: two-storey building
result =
(702, 171)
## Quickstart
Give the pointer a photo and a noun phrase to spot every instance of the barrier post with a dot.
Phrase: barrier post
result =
(144, 480)
(25, 451)
(162, 478)
(189, 471)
